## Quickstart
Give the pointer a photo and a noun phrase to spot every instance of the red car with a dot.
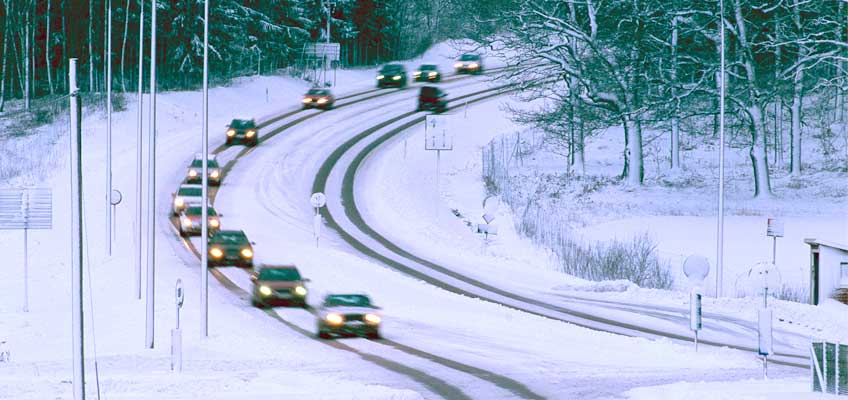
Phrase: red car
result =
(318, 98)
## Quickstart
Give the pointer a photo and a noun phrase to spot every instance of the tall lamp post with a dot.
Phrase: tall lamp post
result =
(204, 224)
(720, 239)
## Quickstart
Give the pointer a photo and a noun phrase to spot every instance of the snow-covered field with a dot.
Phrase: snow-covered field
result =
(438, 344)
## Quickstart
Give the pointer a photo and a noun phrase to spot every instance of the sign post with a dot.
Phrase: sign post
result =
(774, 229)
(766, 275)
(490, 207)
(696, 268)
(317, 200)
(26, 209)
(437, 137)
(176, 333)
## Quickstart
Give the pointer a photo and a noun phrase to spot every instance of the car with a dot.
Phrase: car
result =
(348, 315)
(428, 73)
(195, 170)
(432, 98)
(278, 284)
(242, 131)
(318, 98)
(469, 63)
(230, 248)
(391, 75)
(190, 220)
(188, 195)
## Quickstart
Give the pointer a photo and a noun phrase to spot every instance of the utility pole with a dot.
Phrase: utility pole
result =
(138, 155)
(720, 239)
(204, 224)
(76, 236)
(109, 227)
(151, 186)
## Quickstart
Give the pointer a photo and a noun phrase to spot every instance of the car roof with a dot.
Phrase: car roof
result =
(191, 186)
(469, 56)
(275, 266)
(199, 156)
(428, 66)
(198, 210)
(393, 66)
(237, 121)
(231, 232)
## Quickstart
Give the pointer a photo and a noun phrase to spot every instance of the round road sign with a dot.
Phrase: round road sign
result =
(696, 268)
(116, 197)
(318, 200)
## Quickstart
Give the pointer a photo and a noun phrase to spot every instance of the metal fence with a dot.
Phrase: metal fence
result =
(829, 367)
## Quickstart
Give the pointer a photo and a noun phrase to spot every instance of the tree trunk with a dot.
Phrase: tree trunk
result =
(4, 62)
(47, 43)
(757, 152)
(633, 168)
(91, 46)
(778, 132)
(64, 77)
(795, 131)
(27, 52)
(581, 150)
(675, 121)
(124, 46)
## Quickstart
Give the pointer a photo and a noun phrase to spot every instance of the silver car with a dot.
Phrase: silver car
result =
(348, 315)
(188, 195)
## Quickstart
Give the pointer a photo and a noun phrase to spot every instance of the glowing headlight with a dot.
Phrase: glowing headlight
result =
(322, 100)
(306, 100)
(432, 74)
(300, 291)
(246, 253)
(372, 319)
(216, 252)
(396, 78)
(473, 65)
(265, 290)
(179, 202)
(380, 76)
(334, 319)
(215, 173)
(231, 132)
(214, 223)
(192, 173)
(457, 65)
(250, 133)
(187, 222)
(417, 73)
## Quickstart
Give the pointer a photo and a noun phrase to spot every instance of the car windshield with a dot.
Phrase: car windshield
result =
(392, 69)
(319, 92)
(469, 57)
(234, 237)
(429, 91)
(241, 124)
(428, 67)
(191, 192)
(279, 274)
(351, 300)
(198, 210)
(209, 163)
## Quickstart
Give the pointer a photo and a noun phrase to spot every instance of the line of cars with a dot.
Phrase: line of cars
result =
(338, 315)
(429, 97)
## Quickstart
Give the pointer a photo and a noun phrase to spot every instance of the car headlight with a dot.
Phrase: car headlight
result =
(250, 133)
(215, 173)
(192, 173)
(433, 74)
(322, 100)
(179, 202)
(187, 222)
(216, 252)
(265, 290)
(334, 319)
(473, 65)
(396, 78)
(214, 223)
(246, 252)
(307, 100)
(373, 319)
(457, 65)
(300, 290)
(231, 132)
(417, 73)
(380, 76)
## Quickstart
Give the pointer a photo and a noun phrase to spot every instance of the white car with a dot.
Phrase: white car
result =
(191, 217)
(195, 170)
(187, 195)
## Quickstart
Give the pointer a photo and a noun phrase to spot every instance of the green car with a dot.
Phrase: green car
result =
(348, 315)
(391, 75)
(428, 73)
(278, 285)
(230, 248)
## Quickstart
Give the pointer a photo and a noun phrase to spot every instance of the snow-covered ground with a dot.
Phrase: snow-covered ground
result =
(437, 343)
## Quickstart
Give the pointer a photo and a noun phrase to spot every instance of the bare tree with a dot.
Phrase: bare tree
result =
(27, 52)
(47, 43)
(91, 45)
(124, 46)
(4, 61)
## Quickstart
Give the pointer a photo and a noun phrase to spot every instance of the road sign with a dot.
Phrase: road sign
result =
(116, 197)
(437, 135)
(179, 295)
(318, 200)
(696, 268)
(774, 227)
(695, 312)
(321, 50)
(26, 208)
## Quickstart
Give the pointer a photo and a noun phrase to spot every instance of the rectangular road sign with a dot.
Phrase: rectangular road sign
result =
(26, 208)
(321, 50)
(437, 134)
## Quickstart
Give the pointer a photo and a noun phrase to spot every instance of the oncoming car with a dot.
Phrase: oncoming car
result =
(428, 73)
(189, 221)
(195, 170)
(278, 284)
(432, 98)
(188, 195)
(230, 248)
(318, 98)
(348, 315)
(469, 63)
(243, 131)
(391, 75)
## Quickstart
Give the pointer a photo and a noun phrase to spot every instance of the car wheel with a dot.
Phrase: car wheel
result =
(323, 335)
(257, 304)
(374, 335)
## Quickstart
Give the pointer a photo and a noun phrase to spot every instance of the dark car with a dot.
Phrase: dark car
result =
(432, 98)
(318, 98)
(191, 217)
(391, 75)
(278, 284)
(428, 73)
(195, 170)
(469, 63)
(230, 248)
(243, 131)
(348, 315)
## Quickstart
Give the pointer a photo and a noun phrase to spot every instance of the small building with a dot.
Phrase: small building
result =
(828, 271)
